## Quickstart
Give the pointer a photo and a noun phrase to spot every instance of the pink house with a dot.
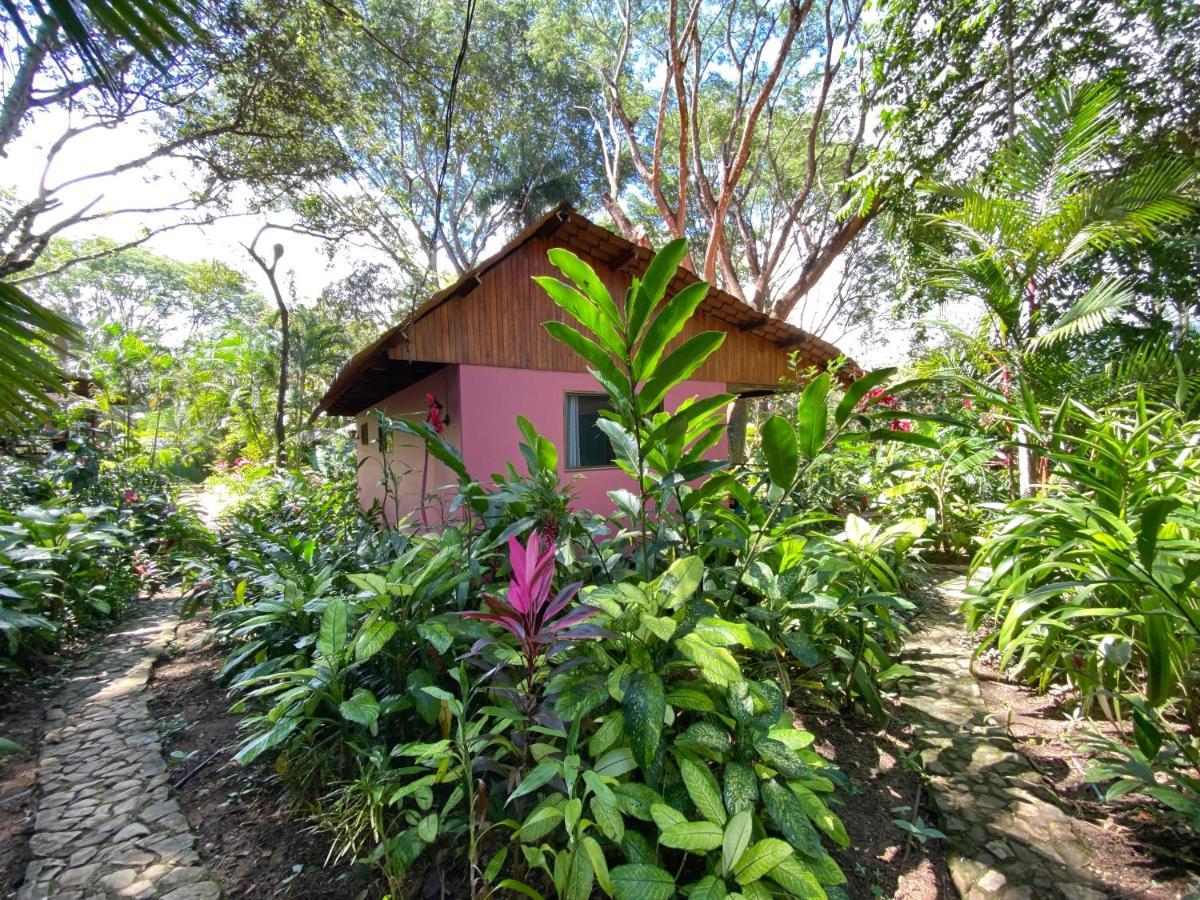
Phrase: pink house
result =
(478, 351)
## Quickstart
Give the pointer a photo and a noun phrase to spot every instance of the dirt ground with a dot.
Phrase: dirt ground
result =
(1137, 853)
(250, 835)
(22, 719)
(881, 861)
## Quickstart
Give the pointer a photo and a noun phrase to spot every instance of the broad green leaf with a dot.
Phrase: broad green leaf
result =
(579, 883)
(615, 763)
(710, 888)
(812, 417)
(1160, 673)
(1153, 515)
(610, 376)
(427, 828)
(332, 636)
(437, 634)
(572, 810)
(795, 877)
(275, 735)
(779, 448)
(716, 664)
(599, 863)
(638, 881)
(704, 736)
(721, 633)
(539, 776)
(369, 583)
(741, 788)
(760, 859)
(645, 707)
(677, 367)
(676, 586)
(587, 281)
(665, 326)
(438, 447)
(790, 817)
(856, 391)
(362, 708)
(694, 837)
(637, 799)
(816, 810)
(905, 437)
(666, 816)
(609, 819)
(586, 312)
(607, 734)
(736, 838)
(702, 787)
(651, 287)
(372, 638)
(662, 627)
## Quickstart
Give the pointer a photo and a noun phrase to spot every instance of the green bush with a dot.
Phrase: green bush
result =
(630, 732)
(74, 551)
(1095, 581)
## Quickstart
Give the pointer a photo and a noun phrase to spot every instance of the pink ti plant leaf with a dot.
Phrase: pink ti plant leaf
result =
(528, 612)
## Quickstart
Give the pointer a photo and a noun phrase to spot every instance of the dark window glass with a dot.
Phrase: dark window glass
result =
(587, 446)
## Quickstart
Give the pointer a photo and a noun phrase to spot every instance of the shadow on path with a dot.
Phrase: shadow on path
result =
(1007, 837)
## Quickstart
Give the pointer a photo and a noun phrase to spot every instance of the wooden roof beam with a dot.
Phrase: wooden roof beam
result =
(552, 223)
(624, 259)
(754, 323)
(793, 342)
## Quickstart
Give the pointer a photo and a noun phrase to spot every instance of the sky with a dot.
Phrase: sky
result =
(163, 182)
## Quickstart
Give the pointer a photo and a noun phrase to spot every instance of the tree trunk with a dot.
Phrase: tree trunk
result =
(20, 92)
(1024, 462)
(285, 340)
(739, 416)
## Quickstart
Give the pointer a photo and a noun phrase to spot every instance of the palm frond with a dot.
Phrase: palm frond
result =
(151, 27)
(25, 373)
(1055, 146)
(1099, 305)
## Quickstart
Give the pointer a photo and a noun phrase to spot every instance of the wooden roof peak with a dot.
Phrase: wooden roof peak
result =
(578, 232)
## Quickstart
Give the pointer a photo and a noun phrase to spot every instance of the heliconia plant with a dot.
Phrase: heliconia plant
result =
(528, 612)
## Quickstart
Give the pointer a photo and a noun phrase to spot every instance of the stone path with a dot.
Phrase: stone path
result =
(107, 825)
(1007, 838)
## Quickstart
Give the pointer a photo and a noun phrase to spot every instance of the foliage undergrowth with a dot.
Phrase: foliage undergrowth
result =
(80, 537)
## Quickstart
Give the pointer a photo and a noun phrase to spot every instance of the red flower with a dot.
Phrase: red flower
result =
(131, 496)
(435, 414)
(967, 404)
(901, 425)
(877, 396)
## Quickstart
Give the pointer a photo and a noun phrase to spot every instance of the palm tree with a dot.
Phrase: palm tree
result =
(1052, 197)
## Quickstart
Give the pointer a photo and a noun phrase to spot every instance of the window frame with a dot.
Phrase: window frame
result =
(567, 467)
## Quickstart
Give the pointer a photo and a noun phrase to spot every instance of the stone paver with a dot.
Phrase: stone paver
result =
(1007, 838)
(107, 825)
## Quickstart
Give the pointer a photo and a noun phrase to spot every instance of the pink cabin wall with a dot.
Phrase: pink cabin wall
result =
(483, 403)
(492, 397)
(407, 454)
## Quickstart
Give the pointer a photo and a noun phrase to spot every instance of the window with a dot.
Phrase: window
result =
(364, 433)
(587, 446)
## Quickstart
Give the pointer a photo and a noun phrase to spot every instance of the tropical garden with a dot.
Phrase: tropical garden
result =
(700, 691)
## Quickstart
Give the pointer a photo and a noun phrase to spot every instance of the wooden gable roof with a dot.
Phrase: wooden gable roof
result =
(493, 315)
